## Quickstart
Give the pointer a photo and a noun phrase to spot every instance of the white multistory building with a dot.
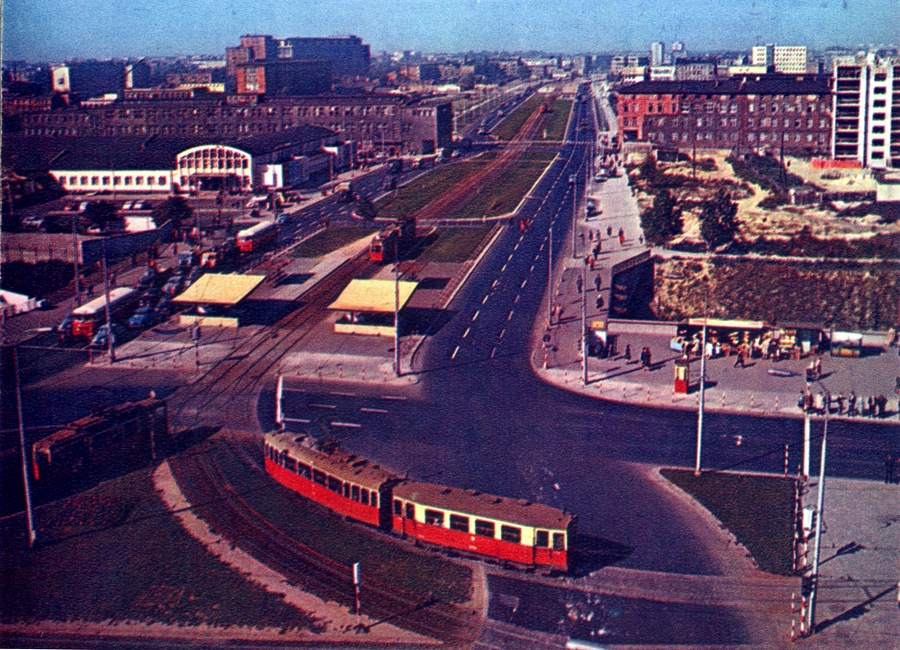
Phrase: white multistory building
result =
(866, 109)
(789, 59)
(657, 53)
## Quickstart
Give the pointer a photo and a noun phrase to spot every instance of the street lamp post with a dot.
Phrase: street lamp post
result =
(820, 505)
(110, 347)
(550, 276)
(396, 306)
(702, 404)
(584, 343)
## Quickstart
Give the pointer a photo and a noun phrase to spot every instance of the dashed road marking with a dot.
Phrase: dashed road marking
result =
(493, 352)
(366, 409)
(395, 398)
(502, 268)
(339, 394)
(453, 354)
(509, 316)
(484, 300)
(475, 315)
(502, 332)
(346, 425)
(466, 333)
(323, 406)
(524, 282)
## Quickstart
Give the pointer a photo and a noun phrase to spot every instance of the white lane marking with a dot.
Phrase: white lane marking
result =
(516, 247)
(516, 299)
(531, 269)
(455, 350)
(484, 300)
(524, 282)
(293, 390)
(502, 268)
(396, 398)
(323, 406)
(509, 257)
(494, 284)
(493, 352)
(466, 333)
(342, 394)
(502, 332)
(366, 409)
(509, 317)
(298, 420)
(475, 315)
(346, 425)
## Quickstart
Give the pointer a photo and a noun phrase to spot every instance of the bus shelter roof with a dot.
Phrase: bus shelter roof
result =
(373, 296)
(220, 288)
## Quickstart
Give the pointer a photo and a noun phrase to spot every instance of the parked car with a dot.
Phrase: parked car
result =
(173, 286)
(100, 340)
(148, 278)
(283, 218)
(144, 317)
(128, 205)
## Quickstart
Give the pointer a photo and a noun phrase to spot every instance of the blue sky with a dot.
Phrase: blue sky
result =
(52, 30)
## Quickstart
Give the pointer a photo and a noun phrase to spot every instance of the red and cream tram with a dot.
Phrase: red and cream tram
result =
(513, 530)
(87, 319)
(255, 237)
(345, 483)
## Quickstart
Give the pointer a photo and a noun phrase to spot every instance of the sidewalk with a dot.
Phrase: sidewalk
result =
(860, 557)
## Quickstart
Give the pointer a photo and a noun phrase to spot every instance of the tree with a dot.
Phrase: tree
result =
(718, 220)
(101, 214)
(175, 209)
(663, 221)
(649, 170)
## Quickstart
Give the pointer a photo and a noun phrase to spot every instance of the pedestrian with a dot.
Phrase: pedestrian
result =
(740, 359)
(818, 367)
(599, 302)
(597, 282)
(889, 469)
(819, 404)
(609, 231)
(871, 404)
(840, 403)
(591, 261)
(579, 283)
(627, 354)
(641, 239)
(581, 235)
(851, 404)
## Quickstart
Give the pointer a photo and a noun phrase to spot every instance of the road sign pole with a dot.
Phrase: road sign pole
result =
(279, 393)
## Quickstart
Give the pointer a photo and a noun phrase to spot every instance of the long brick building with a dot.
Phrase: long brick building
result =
(776, 113)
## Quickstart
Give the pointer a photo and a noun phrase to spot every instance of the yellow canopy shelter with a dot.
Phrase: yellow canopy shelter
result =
(374, 296)
(220, 289)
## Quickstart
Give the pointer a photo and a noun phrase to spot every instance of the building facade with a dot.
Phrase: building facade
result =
(788, 59)
(773, 113)
(867, 111)
(392, 123)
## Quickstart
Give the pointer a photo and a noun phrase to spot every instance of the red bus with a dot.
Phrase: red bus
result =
(256, 237)
(88, 318)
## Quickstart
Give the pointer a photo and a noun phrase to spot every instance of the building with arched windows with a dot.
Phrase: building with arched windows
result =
(134, 164)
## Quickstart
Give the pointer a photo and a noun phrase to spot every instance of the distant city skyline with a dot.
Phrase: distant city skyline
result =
(55, 30)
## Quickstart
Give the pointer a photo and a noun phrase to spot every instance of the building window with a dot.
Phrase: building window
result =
(95, 180)
(72, 180)
(139, 180)
(84, 180)
(484, 528)
(161, 180)
(318, 477)
(398, 507)
(128, 180)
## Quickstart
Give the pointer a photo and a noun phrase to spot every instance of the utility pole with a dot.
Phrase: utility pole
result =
(75, 258)
(109, 334)
(702, 385)
(396, 306)
(574, 206)
(584, 343)
(29, 514)
(820, 505)
(550, 276)
(806, 443)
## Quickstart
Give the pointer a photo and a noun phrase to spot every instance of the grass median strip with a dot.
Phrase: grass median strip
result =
(330, 240)
(758, 510)
(115, 553)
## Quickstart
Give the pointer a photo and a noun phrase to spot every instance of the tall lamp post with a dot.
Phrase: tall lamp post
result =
(702, 382)
(820, 505)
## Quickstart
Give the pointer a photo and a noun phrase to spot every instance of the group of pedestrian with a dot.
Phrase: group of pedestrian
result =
(645, 358)
(874, 406)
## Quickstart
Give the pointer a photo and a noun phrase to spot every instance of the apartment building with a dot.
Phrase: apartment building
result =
(867, 111)
(775, 113)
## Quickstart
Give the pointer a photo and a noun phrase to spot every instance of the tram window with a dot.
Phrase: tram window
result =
(355, 493)
(303, 470)
(484, 528)
(318, 477)
(458, 522)
(434, 517)
(373, 499)
(511, 534)
(364, 497)
(398, 507)
(410, 511)
(542, 539)
(346, 490)
(335, 485)
(559, 541)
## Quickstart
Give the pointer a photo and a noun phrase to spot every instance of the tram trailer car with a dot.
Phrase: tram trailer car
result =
(519, 531)
(121, 436)
(391, 241)
(513, 530)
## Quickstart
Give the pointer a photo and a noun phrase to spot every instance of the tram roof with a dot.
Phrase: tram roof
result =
(220, 288)
(486, 506)
(373, 296)
(339, 464)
